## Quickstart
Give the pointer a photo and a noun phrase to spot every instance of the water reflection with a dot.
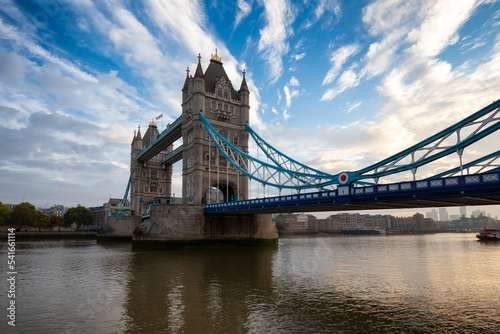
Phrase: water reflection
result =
(195, 291)
(397, 284)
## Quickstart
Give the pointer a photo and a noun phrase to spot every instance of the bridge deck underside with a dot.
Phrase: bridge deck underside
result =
(459, 196)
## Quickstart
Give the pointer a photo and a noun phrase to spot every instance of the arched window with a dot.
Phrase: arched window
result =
(226, 94)
(219, 92)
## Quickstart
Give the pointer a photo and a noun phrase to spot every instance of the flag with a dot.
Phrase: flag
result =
(158, 117)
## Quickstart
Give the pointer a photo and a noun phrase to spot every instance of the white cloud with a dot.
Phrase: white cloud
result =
(353, 107)
(293, 81)
(338, 59)
(273, 37)
(347, 80)
(244, 9)
(289, 94)
(440, 27)
(299, 56)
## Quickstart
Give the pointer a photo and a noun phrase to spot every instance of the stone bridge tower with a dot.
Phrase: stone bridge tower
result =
(227, 110)
(150, 179)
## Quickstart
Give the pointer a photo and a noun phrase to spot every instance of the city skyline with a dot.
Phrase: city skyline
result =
(335, 84)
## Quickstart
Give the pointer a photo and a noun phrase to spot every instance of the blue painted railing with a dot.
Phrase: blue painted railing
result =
(344, 194)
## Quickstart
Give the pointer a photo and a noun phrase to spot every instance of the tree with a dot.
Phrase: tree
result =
(280, 226)
(24, 214)
(56, 221)
(41, 221)
(79, 215)
(4, 214)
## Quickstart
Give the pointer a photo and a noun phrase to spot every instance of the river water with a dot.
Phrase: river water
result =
(431, 283)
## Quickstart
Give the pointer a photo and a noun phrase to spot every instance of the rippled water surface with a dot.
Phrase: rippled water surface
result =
(377, 284)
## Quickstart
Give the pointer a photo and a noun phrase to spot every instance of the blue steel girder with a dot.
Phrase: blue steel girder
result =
(268, 174)
(284, 172)
(488, 163)
(481, 124)
(280, 159)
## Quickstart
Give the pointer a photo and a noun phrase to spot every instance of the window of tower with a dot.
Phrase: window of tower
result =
(226, 94)
(231, 108)
(214, 105)
(226, 107)
(220, 106)
(219, 92)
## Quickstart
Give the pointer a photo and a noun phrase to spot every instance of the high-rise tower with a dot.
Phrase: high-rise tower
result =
(148, 179)
(227, 110)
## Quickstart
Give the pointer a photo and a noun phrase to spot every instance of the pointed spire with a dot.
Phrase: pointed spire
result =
(199, 70)
(133, 139)
(186, 83)
(244, 85)
(139, 137)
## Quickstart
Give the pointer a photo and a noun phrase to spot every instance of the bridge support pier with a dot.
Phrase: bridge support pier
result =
(183, 225)
(118, 228)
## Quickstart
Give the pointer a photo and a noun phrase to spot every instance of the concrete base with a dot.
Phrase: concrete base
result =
(118, 228)
(185, 225)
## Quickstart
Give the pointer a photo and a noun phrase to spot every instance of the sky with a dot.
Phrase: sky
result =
(336, 84)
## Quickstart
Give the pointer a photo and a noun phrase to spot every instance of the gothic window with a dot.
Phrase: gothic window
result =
(219, 92)
(231, 108)
(154, 174)
(145, 189)
(162, 175)
(214, 105)
(220, 106)
(235, 140)
(226, 94)
(144, 174)
(154, 189)
(226, 107)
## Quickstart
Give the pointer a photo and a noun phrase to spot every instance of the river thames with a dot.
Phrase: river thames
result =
(432, 283)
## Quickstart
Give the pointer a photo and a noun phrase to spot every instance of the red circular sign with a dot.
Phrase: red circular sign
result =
(343, 178)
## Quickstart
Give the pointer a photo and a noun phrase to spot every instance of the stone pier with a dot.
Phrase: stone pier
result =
(183, 225)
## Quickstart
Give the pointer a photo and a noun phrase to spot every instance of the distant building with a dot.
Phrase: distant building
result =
(443, 215)
(463, 211)
(98, 213)
(330, 224)
(432, 214)
(403, 224)
(294, 222)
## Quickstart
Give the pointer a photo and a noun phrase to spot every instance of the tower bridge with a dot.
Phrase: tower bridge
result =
(216, 169)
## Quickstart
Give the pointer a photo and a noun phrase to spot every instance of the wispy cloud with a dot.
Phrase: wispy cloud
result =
(338, 59)
(273, 42)
(244, 9)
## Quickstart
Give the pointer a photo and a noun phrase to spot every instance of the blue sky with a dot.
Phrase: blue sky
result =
(335, 84)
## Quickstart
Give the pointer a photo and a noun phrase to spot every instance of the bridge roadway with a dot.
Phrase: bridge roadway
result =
(162, 141)
(477, 189)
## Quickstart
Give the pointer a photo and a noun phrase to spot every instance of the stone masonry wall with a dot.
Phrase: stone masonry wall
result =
(173, 222)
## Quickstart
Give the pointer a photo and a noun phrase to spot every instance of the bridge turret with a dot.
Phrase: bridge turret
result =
(228, 110)
(244, 95)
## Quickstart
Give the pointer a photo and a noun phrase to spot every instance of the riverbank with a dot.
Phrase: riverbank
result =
(51, 235)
